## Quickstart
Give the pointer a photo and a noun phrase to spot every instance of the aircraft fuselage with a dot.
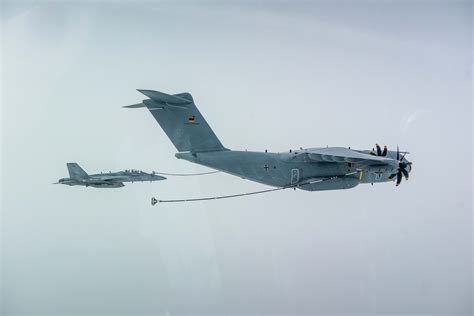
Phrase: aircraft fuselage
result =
(290, 168)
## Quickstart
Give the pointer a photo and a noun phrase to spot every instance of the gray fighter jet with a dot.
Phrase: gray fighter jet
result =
(77, 176)
(312, 169)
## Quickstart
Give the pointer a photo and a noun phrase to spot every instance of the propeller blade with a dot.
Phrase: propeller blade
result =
(405, 172)
(385, 150)
(398, 153)
(399, 178)
(379, 151)
(392, 176)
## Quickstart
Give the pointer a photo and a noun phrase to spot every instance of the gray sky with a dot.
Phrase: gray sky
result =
(265, 75)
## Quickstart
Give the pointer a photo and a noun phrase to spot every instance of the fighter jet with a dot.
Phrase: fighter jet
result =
(311, 169)
(77, 176)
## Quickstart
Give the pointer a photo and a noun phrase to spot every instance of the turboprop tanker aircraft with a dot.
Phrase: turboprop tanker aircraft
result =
(77, 176)
(311, 169)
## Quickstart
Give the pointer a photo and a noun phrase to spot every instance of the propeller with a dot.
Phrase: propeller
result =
(379, 150)
(401, 171)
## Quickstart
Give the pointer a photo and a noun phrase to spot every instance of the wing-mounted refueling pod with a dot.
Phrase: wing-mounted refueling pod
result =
(159, 100)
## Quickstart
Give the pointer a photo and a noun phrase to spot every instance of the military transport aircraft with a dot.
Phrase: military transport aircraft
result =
(77, 176)
(311, 169)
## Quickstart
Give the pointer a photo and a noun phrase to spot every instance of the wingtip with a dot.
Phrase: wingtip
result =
(134, 106)
(144, 91)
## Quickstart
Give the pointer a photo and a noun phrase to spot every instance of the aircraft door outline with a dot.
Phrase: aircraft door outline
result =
(295, 176)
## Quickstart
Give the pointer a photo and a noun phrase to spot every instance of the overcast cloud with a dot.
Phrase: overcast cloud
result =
(265, 76)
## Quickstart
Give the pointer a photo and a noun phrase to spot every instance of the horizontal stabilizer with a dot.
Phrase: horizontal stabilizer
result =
(164, 98)
(185, 95)
(134, 106)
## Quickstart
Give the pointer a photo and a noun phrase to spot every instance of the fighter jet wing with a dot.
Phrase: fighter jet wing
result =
(107, 178)
(113, 177)
(341, 154)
